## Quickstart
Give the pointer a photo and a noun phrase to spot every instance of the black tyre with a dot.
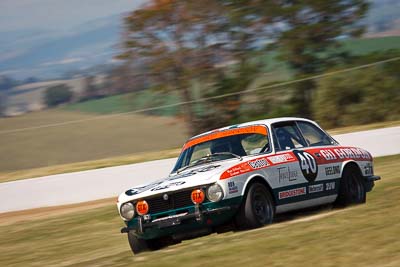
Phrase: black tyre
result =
(139, 245)
(257, 209)
(352, 188)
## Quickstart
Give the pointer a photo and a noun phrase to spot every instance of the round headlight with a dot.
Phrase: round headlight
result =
(215, 193)
(127, 211)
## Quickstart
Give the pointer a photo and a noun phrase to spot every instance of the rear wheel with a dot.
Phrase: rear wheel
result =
(257, 208)
(352, 189)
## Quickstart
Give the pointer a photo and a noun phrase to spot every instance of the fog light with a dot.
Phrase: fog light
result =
(142, 207)
(197, 196)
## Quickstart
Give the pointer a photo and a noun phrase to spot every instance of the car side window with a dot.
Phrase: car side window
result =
(313, 135)
(287, 136)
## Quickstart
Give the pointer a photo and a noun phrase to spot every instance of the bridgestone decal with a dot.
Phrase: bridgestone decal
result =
(292, 193)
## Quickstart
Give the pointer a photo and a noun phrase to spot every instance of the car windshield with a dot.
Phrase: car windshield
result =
(222, 145)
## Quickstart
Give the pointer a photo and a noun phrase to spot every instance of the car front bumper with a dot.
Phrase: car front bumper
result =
(191, 219)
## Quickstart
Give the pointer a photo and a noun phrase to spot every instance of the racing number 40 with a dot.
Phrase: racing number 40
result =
(307, 163)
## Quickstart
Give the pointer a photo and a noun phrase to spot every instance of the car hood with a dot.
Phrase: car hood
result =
(201, 175)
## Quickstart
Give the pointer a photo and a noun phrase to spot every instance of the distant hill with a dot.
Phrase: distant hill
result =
(49, 55)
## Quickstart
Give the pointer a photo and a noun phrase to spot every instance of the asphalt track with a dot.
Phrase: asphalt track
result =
(96, 184)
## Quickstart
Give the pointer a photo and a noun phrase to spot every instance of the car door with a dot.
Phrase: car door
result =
(320, 145)
(293, 168)
(316, 179)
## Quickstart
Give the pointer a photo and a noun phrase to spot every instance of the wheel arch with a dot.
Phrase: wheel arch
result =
(260, 179)
(351, 164)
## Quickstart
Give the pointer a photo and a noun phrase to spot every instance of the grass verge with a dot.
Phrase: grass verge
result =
(85, 141)
(365, 235)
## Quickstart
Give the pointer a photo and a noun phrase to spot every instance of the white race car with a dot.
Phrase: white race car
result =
(243, 175)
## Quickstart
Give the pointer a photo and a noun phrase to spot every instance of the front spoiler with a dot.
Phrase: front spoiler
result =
(372, 178)
(175, 220)
(369, 182)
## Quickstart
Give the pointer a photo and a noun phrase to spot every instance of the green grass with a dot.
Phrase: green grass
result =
(365, 46)
(89, 140)
(366, 235)
(130, 102)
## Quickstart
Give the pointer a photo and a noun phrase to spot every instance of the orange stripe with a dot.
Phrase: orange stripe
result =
(229, 132)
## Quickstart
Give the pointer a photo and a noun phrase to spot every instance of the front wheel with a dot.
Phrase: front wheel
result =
(139, 245)
(352, 189)
(257, 208)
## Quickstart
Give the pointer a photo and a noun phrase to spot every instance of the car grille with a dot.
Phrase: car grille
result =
(175, 201)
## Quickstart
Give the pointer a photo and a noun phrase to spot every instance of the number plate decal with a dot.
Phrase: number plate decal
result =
(308, 165)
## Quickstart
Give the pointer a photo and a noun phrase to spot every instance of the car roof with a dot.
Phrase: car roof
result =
(266, 122)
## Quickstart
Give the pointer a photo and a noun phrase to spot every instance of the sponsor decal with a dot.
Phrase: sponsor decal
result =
(137, 190)
(308, 165)
(344, 153)
(256, 129)
(245, 167)
(286, 175)
(281, 158)
(315, 188)
(197, 196)
(142, 207)
(256, 164)
(132, 192)
(236, 170)
(330, 186)
(355, 153)
(332, 170)
(259, 163)
(292, 193)
(328, 154)
(193, 172)
(165, 186)
(232, 187)
(368, 169)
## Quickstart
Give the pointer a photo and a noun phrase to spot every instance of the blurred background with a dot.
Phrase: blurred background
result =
(87, 84)
(108, 81)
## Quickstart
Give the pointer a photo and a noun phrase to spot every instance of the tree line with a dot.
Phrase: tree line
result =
(208, 48)
(217, 44)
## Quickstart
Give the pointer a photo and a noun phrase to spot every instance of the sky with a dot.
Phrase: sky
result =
(26, 25)
(60, 15)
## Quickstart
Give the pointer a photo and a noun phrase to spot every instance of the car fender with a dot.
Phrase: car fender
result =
(347, 163)
(254, 177)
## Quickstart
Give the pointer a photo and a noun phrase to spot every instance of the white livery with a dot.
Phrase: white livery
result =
(243, 175)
